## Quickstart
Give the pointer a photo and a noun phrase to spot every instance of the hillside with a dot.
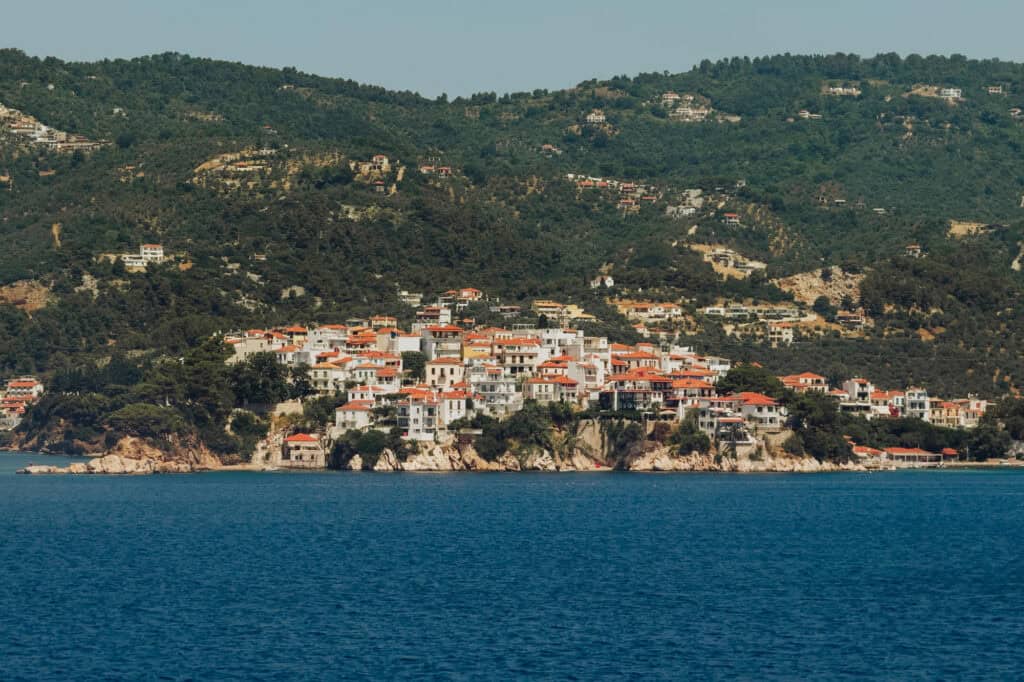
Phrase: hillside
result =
(263, 184)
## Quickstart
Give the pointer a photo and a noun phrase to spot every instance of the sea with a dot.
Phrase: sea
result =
(331, 575)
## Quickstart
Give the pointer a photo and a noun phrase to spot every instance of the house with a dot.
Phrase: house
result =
(994, 89)
(912, 456)
(470, 294)
(442, 340)
(519, 355)
(637, 390)
(354, 415)
(148, 253)
(759, 411)
(445, 372)
(24, 387)
(731, 218)
(918, 405)
(434, 315)
(410, 298)
(596, 117)
(779, 334)
(913, 251)
(681, 211)
(551, 388)
(303, 451)
(418, 417)
(951, 93)
(860, 390)
(850, 320)
(887, 404)
(945, 413)
(844, 91)
(328, 378)
(805, 382)
(496, 392)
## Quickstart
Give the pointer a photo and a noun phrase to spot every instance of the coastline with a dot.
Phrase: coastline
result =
(439, 460)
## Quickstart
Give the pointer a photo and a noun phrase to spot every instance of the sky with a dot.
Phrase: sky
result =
(460, 47)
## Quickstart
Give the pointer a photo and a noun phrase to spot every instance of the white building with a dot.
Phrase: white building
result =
(496, 392)
(353, 415)
(918, 405)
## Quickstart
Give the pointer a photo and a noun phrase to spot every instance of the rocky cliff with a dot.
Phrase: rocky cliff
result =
(136, 456)
(647, 456)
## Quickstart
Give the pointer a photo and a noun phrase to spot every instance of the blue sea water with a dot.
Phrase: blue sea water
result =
(247, 576)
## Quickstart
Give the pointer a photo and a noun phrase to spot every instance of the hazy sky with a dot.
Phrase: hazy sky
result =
(461, 46)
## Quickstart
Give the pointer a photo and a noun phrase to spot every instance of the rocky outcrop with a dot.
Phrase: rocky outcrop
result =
(540, 461)
(355, 464)
(115, 465)
(664, 459)
(133, 456)
(508, 462)
(387, 462)
(434, 458)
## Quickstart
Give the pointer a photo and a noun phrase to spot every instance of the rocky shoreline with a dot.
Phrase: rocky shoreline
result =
(432, 458)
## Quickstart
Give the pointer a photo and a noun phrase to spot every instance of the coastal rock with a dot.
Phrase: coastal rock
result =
(581, 462)
(663, 459)
(472, 460)
(540, 461)
(508, 462)
(387, 462)
(433, 458)
(355, 464)
(40, 469)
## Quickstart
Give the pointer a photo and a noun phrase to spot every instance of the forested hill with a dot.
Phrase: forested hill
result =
(261, 180)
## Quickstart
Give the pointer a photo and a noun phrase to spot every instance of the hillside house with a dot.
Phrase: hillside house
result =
(860, 390)
(497, 394)
(951, 93)
(148, 253)
(353, 415)
(844, 91)
(805, 382)
(418, 417)
(887, 404)
(410, 298)
(442, 341)
(680, 211)
(596, 117)
(918, 404)
(730, 218)
(759, 411)
(551, 388)
(445, 372)
(779, 334)
(303, 451)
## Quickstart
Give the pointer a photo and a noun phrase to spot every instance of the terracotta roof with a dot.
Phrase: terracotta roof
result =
(301, 438)
(750, 398)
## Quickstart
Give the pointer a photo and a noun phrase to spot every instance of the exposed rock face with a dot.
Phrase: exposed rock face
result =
(355, 464)
(507, 462)
(663, 459)
(135, 456)
(540, 461)
(115, 464)
(435, 458)
(387, 462)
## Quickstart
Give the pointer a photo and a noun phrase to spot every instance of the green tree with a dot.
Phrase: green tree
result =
(750, 378)
(414, 364)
